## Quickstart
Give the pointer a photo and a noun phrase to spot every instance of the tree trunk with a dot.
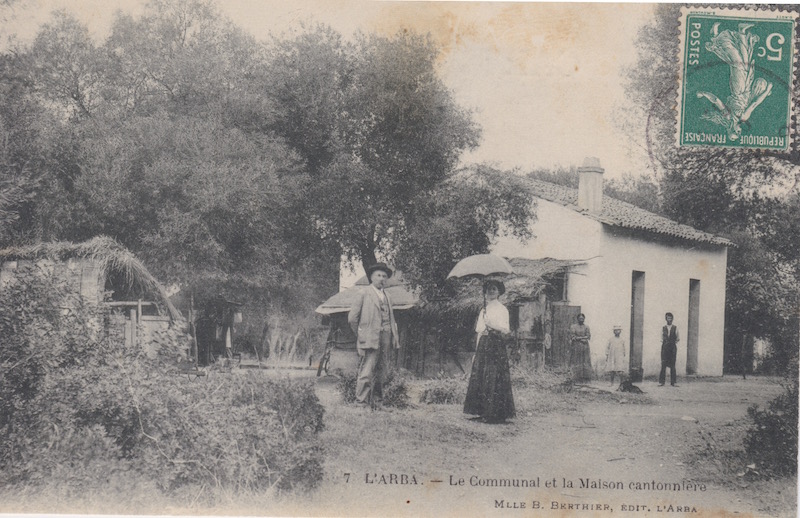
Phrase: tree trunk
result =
(743, 356)
(260, 347)
(367, 256)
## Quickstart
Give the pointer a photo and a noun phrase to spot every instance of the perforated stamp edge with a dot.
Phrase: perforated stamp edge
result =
(787, 13)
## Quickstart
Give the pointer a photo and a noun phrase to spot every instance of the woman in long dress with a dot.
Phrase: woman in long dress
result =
(580, 355)
(489, 393)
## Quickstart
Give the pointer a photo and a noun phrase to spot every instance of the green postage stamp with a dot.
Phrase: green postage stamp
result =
(736, 78)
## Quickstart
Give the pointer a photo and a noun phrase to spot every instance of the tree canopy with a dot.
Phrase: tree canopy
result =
(750, 197)
(377, 128)
(236, 166)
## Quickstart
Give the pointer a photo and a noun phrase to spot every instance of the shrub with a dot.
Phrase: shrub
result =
(772, 440)
(82, 413)
(346, 386)
(247, 433)
(44, 328)
(444, 391)
(253, 434)
(395, 389)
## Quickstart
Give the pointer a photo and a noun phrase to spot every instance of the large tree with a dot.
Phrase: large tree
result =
(461, 217)
(158, 137)
(379, 131)
(748, 196)
(226, 162)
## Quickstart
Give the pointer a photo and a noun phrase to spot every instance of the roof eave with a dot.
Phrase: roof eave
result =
(712, 240)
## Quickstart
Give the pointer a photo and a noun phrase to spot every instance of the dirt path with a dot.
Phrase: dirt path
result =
(593, 457)
(633, 455)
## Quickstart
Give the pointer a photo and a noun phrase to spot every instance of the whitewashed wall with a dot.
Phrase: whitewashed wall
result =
(602, 287)
(561, 233)
(668, 269)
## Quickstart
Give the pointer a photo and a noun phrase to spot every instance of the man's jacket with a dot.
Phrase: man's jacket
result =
(365, 319)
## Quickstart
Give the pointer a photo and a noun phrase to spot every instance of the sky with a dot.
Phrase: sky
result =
(544, 80)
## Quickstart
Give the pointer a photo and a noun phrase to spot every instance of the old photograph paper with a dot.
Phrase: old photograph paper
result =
(398, 258)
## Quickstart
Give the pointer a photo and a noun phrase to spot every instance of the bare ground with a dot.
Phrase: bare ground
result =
(645, 444)
(411, 462)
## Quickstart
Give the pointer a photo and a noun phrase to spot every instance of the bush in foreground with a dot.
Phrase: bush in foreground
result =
(238, 432)
(444, 391)
(80, 414)
(395, 389)
(772, 439)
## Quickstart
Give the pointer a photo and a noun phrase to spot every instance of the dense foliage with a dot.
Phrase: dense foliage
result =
(460, 218)
(750, 197)
(236, 166)
(155, 136)
(82, 414)
(771, 441)
(376, 126)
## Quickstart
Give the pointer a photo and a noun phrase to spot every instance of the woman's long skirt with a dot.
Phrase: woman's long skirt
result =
(489, 390)
(581, 361)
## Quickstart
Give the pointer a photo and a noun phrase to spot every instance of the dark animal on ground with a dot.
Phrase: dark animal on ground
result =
(627, 386)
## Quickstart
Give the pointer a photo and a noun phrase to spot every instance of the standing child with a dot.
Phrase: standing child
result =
(616, 355)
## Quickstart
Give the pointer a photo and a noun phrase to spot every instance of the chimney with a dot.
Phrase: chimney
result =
(590, 185)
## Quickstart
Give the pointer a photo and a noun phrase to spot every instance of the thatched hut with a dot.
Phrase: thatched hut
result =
(102, 272)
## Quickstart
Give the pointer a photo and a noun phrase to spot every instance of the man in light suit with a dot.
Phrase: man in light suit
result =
(372, 319)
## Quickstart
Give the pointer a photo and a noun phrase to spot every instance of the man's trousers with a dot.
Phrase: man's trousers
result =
(668, 355)
(373, 369)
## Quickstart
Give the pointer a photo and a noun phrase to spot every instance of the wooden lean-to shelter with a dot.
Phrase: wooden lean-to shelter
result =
(97, 272)
(442, 337)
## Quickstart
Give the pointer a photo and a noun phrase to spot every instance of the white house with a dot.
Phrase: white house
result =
(636, 266)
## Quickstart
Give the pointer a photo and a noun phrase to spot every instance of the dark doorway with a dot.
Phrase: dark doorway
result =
(637, 325)
(693, 331)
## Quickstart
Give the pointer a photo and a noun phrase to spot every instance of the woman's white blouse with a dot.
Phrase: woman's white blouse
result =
(495, 316)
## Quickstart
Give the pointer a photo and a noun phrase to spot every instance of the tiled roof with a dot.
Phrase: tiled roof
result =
(621, 214)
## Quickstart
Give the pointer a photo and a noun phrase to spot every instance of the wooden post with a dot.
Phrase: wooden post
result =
(193, 330)
(401, 353)
(134, 321)
(262, 342)
(742, 356)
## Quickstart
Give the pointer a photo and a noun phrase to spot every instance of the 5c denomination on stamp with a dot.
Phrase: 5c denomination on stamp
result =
(736, 78)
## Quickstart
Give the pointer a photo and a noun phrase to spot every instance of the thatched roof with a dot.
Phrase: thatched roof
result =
(111, 256)
(398, 292)
(529, 277)
(526, 283)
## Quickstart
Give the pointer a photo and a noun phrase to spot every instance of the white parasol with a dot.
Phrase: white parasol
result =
(480, 265)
